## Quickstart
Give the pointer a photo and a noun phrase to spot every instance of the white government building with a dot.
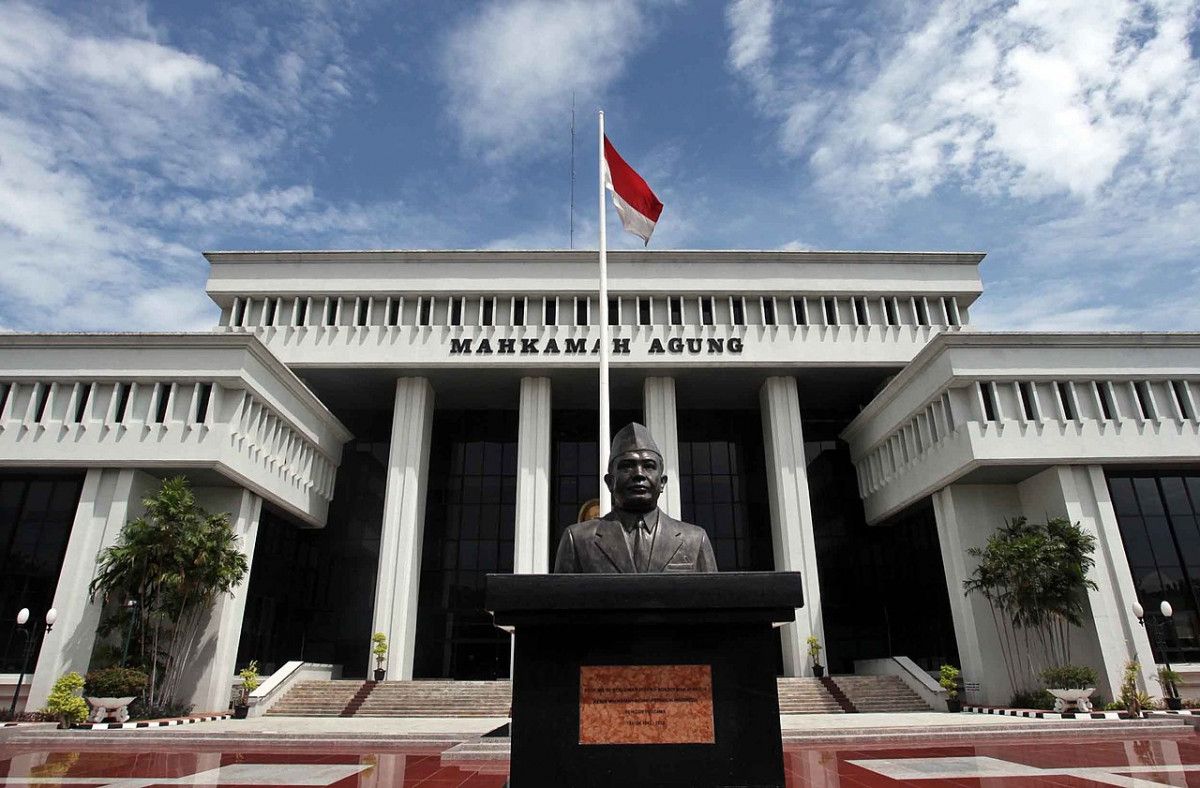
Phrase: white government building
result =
(387, 427)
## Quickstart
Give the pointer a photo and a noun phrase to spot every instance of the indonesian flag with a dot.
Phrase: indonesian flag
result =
(636, 203)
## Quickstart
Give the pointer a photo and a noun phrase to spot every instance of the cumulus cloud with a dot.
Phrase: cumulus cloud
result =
(120, 153)
(511, 69)
(1079, 116)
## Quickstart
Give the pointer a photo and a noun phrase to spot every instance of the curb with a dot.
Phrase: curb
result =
(1074, 715)
(114, 726)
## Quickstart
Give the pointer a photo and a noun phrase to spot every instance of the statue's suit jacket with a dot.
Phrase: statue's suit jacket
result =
(599, 546)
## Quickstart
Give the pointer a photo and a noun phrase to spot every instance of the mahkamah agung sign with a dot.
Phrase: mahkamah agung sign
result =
(673, 346)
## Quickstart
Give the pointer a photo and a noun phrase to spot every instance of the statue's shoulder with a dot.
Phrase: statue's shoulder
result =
(690, 530)
(586, 528)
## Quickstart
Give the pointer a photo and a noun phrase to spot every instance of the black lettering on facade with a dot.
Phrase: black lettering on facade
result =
(460, 346)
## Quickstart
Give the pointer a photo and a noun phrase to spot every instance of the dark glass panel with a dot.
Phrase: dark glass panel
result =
(1148, 498)
(455, 637)
(1163, 552)
(36, 514)
(1123, 498)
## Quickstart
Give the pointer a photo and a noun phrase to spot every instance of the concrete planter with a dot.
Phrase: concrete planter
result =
(1064, 698)
(103, 708)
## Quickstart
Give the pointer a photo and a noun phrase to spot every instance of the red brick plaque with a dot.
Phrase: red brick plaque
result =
(646, 704)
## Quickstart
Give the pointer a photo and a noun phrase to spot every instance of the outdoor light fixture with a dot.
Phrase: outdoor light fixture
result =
(22, 620)
(1156, 630)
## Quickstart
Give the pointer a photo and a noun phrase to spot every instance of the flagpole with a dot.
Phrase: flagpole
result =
(605, 429)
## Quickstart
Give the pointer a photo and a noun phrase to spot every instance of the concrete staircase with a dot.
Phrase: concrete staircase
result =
(444, 698)
(437, 698)
(805, 696)
(316, 699)
(425, 698)
(880, 693)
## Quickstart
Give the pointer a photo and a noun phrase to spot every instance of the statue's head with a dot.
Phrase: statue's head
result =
(635, 470)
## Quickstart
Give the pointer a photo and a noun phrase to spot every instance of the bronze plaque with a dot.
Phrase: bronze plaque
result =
(646, 704)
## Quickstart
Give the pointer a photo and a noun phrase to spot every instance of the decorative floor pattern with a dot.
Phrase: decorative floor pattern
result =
(1136, 763)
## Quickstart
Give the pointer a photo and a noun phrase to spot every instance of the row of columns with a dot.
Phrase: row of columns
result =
(397, 584)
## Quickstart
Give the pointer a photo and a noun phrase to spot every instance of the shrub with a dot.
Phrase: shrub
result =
(250, 681)
(1069, 677)
(115, 683)
(379, 648)
(1170, 680)
(814, 648)
(1041, 700)
(948, 679)
(64, 703)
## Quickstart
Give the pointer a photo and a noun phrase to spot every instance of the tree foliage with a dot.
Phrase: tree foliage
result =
(175, 561)
(1035, 578)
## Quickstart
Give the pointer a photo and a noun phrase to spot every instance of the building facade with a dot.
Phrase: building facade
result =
(387, 428)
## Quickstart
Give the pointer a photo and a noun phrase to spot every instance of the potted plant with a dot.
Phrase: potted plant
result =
(1170, 681)
(1070, 684)
(814, 653)
(379, 648)
(948, 679)
(64, 702)
(109, 692)
(250, 682)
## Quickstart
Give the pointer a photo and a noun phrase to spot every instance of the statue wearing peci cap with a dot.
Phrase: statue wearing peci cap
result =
(636, 536)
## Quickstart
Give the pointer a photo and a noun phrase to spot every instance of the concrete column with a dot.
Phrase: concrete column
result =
(399, 578)
(1111, 635)
(213, 662)
(792, 536)
(110, 497)
(658, 404)
(531, 550)
(962, 609)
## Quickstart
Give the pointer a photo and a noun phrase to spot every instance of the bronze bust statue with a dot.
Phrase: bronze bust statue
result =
(636, 536)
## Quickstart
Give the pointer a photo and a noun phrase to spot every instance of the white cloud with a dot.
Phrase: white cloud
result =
(751, 41)
(121, 154)
(511, 69)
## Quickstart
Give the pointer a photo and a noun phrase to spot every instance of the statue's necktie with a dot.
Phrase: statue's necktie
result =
(641, 546)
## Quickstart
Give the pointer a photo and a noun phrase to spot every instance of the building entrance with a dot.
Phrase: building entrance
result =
(470, 516)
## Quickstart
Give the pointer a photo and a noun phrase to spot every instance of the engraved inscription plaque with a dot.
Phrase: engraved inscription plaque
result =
(645, 704)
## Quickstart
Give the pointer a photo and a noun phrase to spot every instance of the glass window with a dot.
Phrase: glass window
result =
(36, 514)
(1159, 519)
(469, 518)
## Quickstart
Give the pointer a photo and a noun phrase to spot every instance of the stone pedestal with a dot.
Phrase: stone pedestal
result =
(654, 680)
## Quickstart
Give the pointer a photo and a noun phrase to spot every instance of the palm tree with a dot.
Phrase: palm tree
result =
(175, 560)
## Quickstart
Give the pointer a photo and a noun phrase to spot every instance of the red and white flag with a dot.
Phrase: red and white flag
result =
(634, 200)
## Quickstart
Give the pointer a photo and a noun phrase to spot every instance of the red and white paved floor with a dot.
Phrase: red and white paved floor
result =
(1037, 762)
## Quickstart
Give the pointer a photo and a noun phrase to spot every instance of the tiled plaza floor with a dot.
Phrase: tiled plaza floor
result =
(1037, 762)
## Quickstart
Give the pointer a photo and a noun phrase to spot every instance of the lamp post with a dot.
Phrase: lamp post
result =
(22, 620)
(1156, 629)
(132, 607)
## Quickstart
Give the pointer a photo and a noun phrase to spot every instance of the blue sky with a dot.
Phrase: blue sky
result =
(1059, 137)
